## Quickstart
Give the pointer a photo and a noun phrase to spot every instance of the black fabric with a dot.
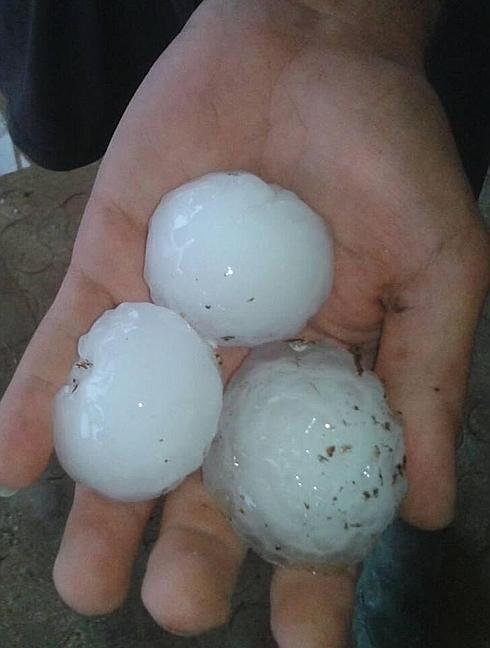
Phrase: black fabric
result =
(458, 66)
(69, 67)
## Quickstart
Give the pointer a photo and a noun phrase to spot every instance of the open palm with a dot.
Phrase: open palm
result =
(270, 88)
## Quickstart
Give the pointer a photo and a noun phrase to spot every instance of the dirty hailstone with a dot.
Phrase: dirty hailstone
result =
(308, 463)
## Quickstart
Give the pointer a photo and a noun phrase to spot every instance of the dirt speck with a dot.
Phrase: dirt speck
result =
(84, 364)
(356, 353)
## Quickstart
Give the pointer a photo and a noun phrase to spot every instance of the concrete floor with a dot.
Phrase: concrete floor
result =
(39, 215)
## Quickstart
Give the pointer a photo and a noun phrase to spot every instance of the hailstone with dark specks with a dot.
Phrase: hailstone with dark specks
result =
(308, 463)
(243, 261)
(141, 404)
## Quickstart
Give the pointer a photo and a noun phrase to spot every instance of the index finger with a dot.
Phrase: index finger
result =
(25, 410)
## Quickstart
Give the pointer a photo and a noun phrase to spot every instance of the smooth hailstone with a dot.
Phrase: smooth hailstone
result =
(243, 261)
(141, 405)
(309, 462)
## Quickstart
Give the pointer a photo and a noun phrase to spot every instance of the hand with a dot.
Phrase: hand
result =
(349, 123)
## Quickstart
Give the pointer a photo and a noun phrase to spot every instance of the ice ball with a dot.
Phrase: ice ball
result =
(308, 462)
(243, 261)
(141, 404)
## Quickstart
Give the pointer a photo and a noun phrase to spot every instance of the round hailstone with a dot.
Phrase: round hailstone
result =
(141, 405)
(308, 462)
(243, 261)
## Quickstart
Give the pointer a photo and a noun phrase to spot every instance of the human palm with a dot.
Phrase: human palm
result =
(272, 89)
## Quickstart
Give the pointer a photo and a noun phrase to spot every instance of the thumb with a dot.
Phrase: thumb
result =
(424, 360)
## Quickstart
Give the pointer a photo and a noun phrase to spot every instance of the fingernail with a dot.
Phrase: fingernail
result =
(7, 492)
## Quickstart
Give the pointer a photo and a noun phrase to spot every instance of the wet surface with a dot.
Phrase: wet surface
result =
(402, 593)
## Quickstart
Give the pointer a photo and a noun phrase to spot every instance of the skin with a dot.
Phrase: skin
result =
(332, 103)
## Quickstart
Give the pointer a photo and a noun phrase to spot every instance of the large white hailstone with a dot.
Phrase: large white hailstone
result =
(140, 406)
(309, 462)
(243, 261)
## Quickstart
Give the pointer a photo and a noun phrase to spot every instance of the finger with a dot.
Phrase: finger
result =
(93, 567)
(424, 359)
(25, 410)
(311, 610)
(194, 564)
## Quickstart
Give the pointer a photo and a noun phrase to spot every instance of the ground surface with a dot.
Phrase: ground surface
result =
(413, 583)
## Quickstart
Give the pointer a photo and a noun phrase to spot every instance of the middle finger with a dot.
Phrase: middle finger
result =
(194, 564)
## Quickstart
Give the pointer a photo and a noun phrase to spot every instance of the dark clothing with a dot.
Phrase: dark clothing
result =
(458, 66)
(68, 68)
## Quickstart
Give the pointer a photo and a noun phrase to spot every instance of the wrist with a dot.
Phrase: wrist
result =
(389, 28)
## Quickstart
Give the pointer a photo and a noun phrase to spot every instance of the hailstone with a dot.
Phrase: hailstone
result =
(141, 404)
(308, 462)
(245, 262)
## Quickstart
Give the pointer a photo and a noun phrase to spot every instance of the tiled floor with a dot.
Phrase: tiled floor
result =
(39, 215)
